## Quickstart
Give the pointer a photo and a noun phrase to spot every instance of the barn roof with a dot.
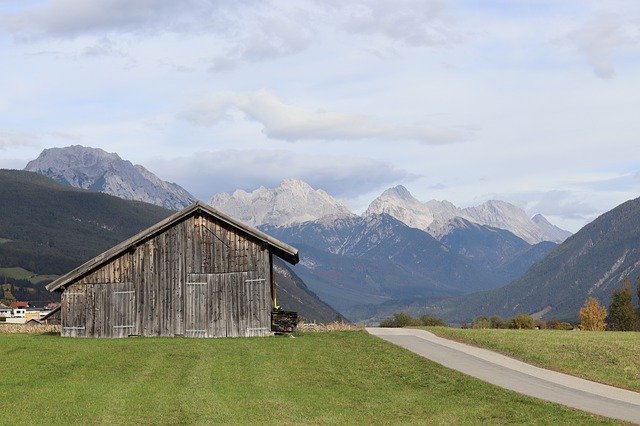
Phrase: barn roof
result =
(280, 249)
(51, 313)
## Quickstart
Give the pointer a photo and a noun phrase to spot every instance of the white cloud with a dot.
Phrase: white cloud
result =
(103, 47)
(10, 139)
(71, 18)
(248, 31)
(295, 123)
(410, 22)
(598, 40)
(207, 173)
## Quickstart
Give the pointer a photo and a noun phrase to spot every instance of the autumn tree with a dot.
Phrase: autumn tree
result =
(621, 313)
(592, 315)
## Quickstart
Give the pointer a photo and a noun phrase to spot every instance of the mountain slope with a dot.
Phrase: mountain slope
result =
(551, 231)
(98, 171)
(294, 201)
(53, 228)
(294, 295)
(352, 261)
(592, 262)
(50, 228)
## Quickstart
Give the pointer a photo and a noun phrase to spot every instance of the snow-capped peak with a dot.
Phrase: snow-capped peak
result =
(293, 201)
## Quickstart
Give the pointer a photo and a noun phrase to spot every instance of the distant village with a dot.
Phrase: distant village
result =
(21, 312)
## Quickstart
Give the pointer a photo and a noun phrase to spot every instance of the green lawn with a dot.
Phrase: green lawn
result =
(604, 356)
(339, 377)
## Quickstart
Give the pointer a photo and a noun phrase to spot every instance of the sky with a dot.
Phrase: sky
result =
(532, 102)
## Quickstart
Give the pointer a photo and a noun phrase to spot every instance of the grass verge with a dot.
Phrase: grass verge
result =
(609, 357)
(339, 377)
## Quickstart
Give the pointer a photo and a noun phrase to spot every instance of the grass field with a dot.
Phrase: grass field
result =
(337, 377)
(604, 356)
(22, 274)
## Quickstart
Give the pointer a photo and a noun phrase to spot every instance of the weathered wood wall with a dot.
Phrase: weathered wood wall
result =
(199, 278)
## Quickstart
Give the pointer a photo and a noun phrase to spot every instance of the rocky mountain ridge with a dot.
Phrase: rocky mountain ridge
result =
(434, 216)
(293, 201)
(99, 171)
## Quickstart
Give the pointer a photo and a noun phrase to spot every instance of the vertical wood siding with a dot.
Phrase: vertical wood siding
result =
(199, 278)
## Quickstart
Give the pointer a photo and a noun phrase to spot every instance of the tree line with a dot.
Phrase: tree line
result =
(621, 316)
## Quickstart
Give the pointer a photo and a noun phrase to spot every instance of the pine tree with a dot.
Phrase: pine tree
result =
(592, 315)
(621, 313)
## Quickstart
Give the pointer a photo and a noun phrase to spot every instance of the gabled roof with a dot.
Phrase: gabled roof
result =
(280, 249)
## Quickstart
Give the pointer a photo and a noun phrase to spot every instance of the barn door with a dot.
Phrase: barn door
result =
(247, 304)
(227, 305)
(73, 313)
(123, 314)
(196, 299)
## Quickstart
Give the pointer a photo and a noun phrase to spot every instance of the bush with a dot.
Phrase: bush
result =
(540, 324)
(522, 321)
(431, 320)
(497, 322)
(400, 320)
(563, 326)
(481, 322)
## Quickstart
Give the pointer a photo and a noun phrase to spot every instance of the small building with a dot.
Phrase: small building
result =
(32, 314)
(19, 313)
(198, 273)
(5, 311)
(19, 304)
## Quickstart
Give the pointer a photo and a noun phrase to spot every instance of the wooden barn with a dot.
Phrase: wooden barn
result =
(198, 273)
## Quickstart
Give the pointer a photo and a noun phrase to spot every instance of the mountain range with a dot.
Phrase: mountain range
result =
(293, 202)
(434, 216)
(353, 261)
(592, 262)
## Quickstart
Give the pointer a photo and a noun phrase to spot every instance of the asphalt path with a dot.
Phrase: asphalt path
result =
(516, 375)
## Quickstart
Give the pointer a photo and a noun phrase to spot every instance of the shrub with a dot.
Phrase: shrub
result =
(432, 320)
(563, 326)
(522, 321)
(497, 322)
(540, 324)
(481, 322)
(400, 319)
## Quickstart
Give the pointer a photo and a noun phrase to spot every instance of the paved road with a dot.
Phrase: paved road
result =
(516, 375)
